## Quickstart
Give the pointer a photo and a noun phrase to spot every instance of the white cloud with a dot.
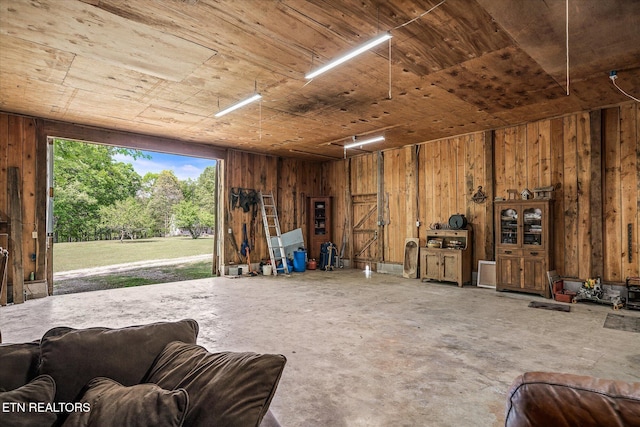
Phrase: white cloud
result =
(183, 167)
(188, 171)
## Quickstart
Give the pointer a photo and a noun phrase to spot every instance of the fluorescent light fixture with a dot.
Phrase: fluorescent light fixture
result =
(239, 105)
(365, 141)
(370, 44)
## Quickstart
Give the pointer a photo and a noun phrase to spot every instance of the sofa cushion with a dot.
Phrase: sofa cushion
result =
(75, 356)
(225, 389)
(26, 405)
(552, 399)
(109, 403)
(18, 364)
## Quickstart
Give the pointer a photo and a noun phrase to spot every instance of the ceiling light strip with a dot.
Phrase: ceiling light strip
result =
(238, 105)
(370, 44)
(363, 142)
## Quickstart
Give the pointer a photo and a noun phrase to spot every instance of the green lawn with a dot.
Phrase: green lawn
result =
(76, 255)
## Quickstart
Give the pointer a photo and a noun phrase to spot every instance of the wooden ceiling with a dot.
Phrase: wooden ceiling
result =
(166, 67)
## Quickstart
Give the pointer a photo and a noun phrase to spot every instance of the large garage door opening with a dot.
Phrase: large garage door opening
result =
(124, 217)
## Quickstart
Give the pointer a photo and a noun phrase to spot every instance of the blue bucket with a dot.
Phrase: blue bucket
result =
(280, 268)
(299, 261)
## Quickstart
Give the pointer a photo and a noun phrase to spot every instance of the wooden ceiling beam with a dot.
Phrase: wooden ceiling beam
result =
(132, 140)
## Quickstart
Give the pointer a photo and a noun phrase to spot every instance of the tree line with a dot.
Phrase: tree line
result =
(100, 198)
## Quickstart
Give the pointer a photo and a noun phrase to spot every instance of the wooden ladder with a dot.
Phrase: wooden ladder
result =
(270, 220)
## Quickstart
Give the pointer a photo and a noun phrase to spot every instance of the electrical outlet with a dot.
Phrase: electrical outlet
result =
(34, 234)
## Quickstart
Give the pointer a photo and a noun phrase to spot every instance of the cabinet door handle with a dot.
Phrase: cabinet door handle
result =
(534, 253)
(507, 252)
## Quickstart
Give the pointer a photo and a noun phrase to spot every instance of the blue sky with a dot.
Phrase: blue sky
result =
(183, 167)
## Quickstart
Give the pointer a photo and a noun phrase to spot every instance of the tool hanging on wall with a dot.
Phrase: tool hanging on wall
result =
(245, 201)
(234, 197)
(243, 198)
(252, 272)
(252, 226)
(232, 239)
(630, 242)
(228, 218)
(479, 196)
(343, 246)
(244, 247)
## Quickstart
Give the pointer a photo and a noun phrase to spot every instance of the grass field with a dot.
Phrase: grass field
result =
(77, 255)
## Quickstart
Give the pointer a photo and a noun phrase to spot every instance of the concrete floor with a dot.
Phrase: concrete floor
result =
(383, 351)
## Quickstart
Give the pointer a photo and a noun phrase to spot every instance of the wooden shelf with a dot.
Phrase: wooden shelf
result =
(319, 225)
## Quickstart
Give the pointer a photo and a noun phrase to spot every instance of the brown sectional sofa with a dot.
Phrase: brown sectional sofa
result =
(147, 375)
(564, 400)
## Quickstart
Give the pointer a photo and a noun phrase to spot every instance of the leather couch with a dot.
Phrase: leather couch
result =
(147, 375)
(563, 400)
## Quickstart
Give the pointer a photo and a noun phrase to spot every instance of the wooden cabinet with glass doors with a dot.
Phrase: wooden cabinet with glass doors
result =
(319, 225)
(524, 245)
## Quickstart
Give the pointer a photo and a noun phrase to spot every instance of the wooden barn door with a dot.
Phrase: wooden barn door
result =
(366, 225)
(365, 229)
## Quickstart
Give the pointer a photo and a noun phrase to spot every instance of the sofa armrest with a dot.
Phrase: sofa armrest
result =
(545, 398)
(18, 364)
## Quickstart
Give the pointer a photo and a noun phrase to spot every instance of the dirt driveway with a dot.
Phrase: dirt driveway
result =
(129, 274)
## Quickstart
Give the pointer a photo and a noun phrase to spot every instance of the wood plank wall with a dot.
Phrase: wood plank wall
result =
(451, 171)
(23, 145)
(336, 182)
(297, 181)
(427, 182)
(591, 158)
(401, 191)
(621, 191)
(291, 181)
